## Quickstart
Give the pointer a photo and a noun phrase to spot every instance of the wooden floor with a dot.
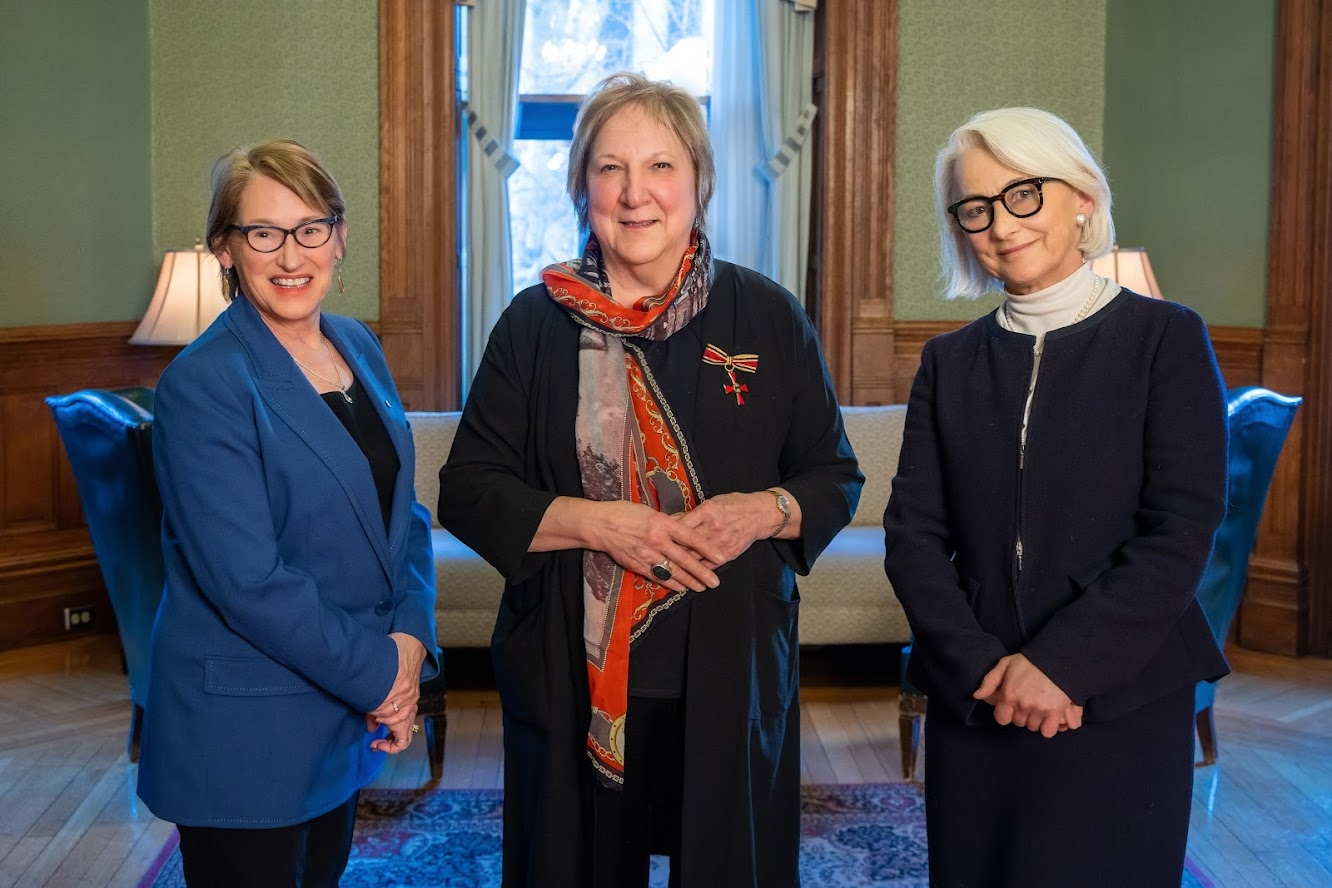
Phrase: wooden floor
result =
(69, 815)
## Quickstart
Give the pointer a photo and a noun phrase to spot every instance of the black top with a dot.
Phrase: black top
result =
(367, 430)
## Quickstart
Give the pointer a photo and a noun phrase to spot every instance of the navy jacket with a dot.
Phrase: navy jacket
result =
(282, 586)
(1116, 501)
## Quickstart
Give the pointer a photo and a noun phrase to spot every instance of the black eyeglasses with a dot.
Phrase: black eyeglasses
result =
(270, 238)
(1021, 199)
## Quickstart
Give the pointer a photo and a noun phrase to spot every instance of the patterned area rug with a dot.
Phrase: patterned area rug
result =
(851, 836)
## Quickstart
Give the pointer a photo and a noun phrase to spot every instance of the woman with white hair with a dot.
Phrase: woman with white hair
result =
(1062, 473)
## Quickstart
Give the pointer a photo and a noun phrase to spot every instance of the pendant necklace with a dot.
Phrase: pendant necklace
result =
(342, 389)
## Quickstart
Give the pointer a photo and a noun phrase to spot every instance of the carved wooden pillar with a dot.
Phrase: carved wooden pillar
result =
(852, 301)
(419, 312)
(1288, 603)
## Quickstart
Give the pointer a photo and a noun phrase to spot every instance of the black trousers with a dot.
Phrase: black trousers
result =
(312, 854)
(644, 817)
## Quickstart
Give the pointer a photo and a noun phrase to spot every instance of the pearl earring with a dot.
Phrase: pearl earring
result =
(1081, 219)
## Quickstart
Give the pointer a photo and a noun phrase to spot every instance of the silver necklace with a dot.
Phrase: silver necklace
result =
(342, 389)
(1091, 301)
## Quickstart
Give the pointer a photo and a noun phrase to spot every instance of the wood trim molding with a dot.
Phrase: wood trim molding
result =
(1289, 606)
(1238, 351)
(855, 139)
(419, 309)
(68, 332)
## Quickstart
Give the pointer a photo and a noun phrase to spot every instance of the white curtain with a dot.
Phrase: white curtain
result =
(786, 44)
(494, 54)
(761, 115)
(736, 126)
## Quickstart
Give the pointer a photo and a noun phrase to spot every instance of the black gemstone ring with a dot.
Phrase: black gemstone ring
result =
(662, 572)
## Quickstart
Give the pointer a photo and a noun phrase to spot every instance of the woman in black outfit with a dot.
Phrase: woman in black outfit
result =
(1062, 473)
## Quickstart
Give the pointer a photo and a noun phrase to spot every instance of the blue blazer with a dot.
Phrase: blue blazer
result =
(271, 642)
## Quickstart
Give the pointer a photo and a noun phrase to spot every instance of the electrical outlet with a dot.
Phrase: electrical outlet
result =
(79, 619)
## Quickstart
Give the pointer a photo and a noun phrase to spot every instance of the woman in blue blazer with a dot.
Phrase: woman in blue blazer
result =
(298, 617)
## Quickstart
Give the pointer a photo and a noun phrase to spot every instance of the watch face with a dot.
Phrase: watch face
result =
(783, 503)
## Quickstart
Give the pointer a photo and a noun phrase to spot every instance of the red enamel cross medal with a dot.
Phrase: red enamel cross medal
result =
(731, 363)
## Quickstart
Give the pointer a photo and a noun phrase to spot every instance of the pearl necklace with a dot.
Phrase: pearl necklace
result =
(1086, 309)
(342, 389)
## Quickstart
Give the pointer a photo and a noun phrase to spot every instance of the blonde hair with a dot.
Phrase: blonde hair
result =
(672, 107)
(1033, 142)
(286, 162)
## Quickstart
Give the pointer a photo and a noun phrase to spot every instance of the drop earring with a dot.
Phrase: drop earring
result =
(1081, 219)
(342, 288)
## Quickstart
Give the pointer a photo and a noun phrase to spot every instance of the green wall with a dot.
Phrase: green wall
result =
(1188, 119)
(955, 59)
(114, 113)
(235, 72)
(75, 198)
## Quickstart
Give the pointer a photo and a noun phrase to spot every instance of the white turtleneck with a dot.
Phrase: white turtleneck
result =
(1058, 305)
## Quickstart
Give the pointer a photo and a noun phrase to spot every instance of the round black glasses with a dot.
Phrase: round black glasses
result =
(270, 238)
(1021, 199)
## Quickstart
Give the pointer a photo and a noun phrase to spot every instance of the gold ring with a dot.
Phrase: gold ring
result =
(395, 707)
(416, 729)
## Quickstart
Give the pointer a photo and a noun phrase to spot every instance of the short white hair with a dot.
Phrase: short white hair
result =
(1033, 142)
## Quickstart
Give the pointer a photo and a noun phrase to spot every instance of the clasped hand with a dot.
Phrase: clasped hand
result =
(398, 711)
(695, 543)
(1023, 695)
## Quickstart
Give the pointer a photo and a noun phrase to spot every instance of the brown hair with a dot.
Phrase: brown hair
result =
(672, 107)
(285, 162)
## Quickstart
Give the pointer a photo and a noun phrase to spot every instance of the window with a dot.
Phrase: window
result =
(568, 46)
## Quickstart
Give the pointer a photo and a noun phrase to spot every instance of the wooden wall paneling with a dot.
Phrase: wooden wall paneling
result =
(46, 558)
(1288, 606)
(1239, 352)
(419, 310)
(1313, 19)
(856, 132)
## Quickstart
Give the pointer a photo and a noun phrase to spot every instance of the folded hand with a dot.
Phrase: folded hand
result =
(398, 711)
(1023, 695)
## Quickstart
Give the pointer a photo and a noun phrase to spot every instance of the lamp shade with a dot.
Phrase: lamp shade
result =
(187, 299)
(1130, 268)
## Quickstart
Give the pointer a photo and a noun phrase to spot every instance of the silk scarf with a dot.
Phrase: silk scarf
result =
(629, 448)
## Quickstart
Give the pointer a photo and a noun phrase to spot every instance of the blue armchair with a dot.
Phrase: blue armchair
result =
(108, 438)
(1258, 421)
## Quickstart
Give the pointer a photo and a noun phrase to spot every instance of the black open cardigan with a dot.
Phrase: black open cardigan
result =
(515, 451)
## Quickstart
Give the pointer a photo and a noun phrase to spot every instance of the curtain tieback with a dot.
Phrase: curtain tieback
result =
(503, 161)
(791, 145)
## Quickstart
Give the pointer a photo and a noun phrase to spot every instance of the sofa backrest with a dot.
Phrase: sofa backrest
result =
(433, 436)
(875, 434)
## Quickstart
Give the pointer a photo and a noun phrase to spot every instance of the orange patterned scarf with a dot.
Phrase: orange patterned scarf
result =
(629, 448)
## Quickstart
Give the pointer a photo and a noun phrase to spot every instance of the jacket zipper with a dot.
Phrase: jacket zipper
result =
(1036, 350)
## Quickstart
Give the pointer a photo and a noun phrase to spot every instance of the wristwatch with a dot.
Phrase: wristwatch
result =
(785, 505)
